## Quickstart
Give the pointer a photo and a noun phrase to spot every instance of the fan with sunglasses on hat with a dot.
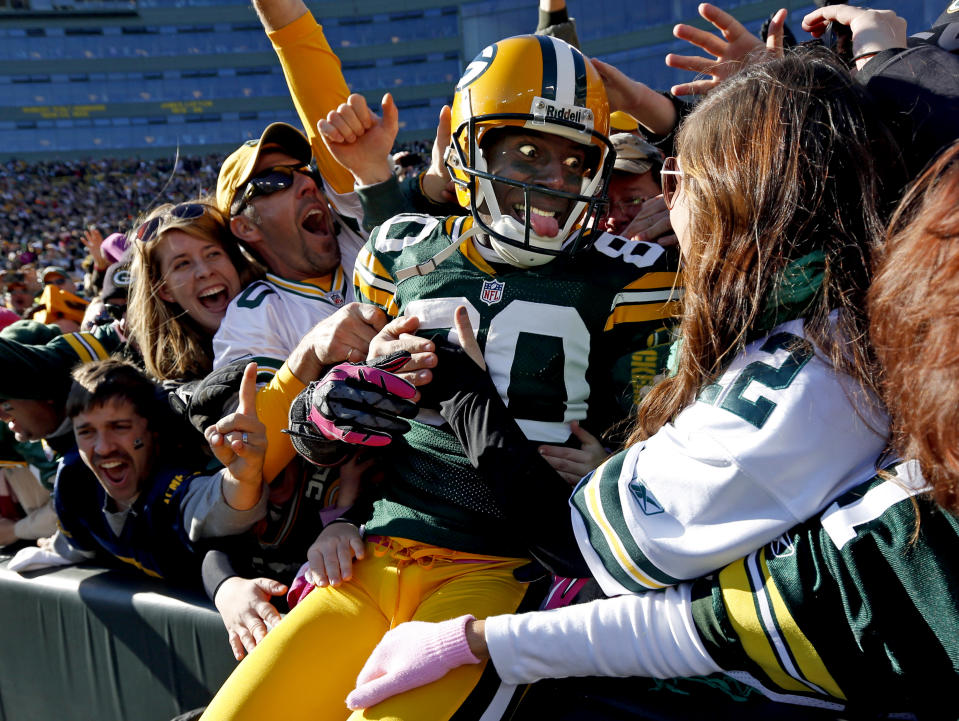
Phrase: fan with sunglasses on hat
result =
(188, 269)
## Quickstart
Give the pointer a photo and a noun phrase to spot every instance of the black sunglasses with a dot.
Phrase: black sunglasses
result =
(269, 181)
(184, 211)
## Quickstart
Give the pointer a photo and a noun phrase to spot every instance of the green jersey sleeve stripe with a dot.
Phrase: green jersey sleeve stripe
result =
(797, 656)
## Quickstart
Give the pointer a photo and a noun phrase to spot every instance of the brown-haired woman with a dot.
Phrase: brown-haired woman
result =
(776, 198)
(186, 269)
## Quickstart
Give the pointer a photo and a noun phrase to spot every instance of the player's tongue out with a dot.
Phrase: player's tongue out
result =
(543, 222)
(544, 226)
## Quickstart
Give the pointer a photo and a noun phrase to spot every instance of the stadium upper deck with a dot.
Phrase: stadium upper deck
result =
(121, 77)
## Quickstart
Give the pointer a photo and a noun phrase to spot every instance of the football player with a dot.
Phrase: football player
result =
(553, 302)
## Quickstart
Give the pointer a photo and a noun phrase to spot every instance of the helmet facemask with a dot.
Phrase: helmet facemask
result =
(517, 242)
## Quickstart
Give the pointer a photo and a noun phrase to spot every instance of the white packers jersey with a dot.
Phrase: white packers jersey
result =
(763, 449)
(267, 320)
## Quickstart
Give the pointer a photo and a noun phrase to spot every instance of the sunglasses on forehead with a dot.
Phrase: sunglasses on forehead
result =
(184, 211)
(269, 181)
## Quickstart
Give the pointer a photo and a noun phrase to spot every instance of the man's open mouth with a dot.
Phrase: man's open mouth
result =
(316, 221)
(114, 470)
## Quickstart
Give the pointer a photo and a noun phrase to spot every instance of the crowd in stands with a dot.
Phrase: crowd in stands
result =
(600, 391)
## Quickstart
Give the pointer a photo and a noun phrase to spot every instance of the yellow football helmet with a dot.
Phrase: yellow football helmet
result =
(540, 84)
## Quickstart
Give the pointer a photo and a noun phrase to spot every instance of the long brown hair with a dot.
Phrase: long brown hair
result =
(174, 346)
(914, 315)
(779, 162)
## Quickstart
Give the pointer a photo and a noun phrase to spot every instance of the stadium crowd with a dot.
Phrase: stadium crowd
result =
(605, 388)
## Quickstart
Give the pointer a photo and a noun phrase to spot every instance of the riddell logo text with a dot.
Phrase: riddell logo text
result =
(558, 113)
(544, 110)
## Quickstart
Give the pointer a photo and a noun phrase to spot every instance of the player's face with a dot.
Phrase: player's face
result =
(30, 420)
(627, 193)
(116, 444)
(541, 159)
(197, 275)
(299, 235)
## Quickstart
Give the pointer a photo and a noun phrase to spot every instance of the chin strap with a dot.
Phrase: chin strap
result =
(430, 265)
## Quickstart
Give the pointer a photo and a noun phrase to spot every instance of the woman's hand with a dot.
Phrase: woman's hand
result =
(437, 184)
(92, 240)
(398, 335)
(652, 224)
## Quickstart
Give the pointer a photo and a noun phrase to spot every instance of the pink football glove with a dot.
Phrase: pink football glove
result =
(360, 403)
(411, 655)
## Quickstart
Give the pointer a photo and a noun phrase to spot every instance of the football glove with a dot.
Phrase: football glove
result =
(355, 403)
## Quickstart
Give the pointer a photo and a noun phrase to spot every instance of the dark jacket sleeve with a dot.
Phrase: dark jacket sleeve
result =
(384, 201)
(917, 92)
(532, 494)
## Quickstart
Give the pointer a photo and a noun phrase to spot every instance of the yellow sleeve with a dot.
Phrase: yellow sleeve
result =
(273, 403)
(317, 86)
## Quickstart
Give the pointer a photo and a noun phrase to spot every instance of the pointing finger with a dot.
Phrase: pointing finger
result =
(248, 391)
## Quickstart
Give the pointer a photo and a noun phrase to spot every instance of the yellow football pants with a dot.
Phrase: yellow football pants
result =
(307, 665)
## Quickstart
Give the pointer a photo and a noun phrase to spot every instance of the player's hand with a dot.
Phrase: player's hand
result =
(331, 555)
(246, 611)
(652, 224)
(437, 184)
(574, 463)
(730, 52)
(238, 441)
(872, 30)
(397, 335)
(360, 140)
(363, 404)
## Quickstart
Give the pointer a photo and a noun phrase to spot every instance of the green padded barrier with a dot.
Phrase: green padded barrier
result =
(86, 643)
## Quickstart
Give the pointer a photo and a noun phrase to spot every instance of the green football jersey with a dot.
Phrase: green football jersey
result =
(550, 335)
(857, 606)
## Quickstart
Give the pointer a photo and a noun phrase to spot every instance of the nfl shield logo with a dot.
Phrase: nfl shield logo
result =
(335, 297)
(492, 291)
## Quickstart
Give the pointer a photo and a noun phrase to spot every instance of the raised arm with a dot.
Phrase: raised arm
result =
(654, 111)
(313, 75)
